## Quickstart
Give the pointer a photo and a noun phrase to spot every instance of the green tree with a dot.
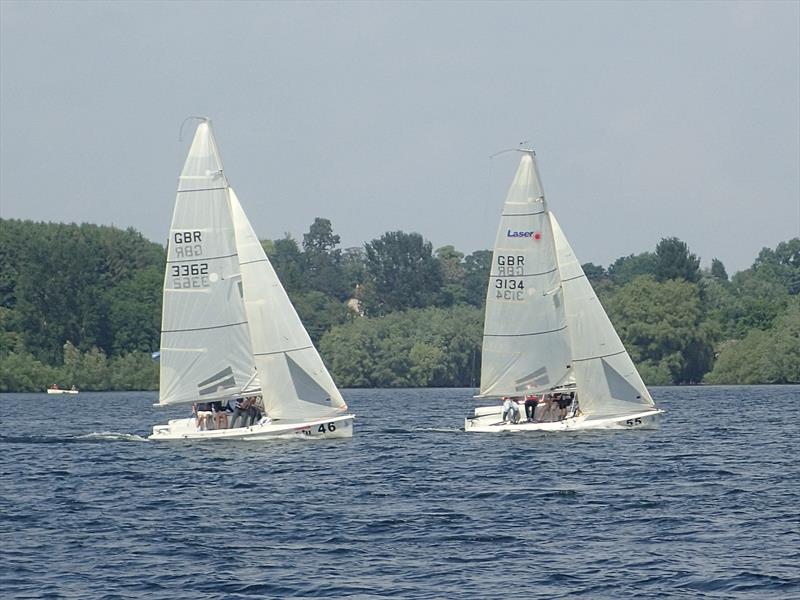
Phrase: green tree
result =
(627, 268)
(674, 261)
(452, 267)
(319, 312)
(323, 260)
(419, 347)
(662, 325)
(133, 371)
(23, 372)
(718, 270)
(134, 312)
(771, 356)
(594, 273)
(402, 273)
(781, 265)
(288, 262)
(477, 267)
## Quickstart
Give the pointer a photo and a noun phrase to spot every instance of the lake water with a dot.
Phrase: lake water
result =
(411, 507)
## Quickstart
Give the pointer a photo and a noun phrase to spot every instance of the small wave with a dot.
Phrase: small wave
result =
(112, 436)
(102, 436)
(438, 429)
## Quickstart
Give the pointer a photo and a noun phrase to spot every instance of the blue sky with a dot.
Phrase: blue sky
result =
(650, 119)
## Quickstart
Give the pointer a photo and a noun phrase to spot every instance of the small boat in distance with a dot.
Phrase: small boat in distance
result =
(550, 353)
(228, 328)
(54, 389)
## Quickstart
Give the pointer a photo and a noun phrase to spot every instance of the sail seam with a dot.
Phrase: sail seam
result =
(214, 189)
(252, 262)
(528, 275)
(599, 356)
(524, 334)
(281, 351)
(204, 328)
(201, 259)
(541, 212)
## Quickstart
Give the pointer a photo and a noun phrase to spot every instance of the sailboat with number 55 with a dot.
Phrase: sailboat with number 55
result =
(550, 352)
(230, 337)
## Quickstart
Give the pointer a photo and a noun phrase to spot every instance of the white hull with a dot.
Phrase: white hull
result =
(51, 391)
(490, 420)
(186, 429)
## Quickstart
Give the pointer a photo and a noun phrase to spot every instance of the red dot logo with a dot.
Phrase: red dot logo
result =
(537, 236)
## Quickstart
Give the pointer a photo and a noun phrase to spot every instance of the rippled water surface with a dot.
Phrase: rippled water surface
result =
(411, 507)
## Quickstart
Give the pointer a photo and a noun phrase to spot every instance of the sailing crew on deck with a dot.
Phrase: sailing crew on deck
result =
(203, 415)
(255, 410)
(563, 402)
(220, 415)
(531, 401)
(239, 410)
(510, 408)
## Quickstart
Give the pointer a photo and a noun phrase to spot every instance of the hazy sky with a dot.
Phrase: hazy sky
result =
(649, 119)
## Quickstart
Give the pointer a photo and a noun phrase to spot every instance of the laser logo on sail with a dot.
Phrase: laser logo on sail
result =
(534, 235)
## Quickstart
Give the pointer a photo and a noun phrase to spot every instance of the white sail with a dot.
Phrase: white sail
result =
(295, 383)
(607, 380)
(205, 341)
(525, 338)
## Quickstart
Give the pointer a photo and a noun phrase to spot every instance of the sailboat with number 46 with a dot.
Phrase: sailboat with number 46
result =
(230, 337)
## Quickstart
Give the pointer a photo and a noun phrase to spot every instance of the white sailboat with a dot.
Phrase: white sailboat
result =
(228, 328)
(547, 338)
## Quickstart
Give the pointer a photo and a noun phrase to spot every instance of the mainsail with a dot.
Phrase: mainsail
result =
(205, 341)
(525, 338)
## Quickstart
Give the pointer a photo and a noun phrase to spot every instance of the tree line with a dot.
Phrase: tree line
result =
(81, 304)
